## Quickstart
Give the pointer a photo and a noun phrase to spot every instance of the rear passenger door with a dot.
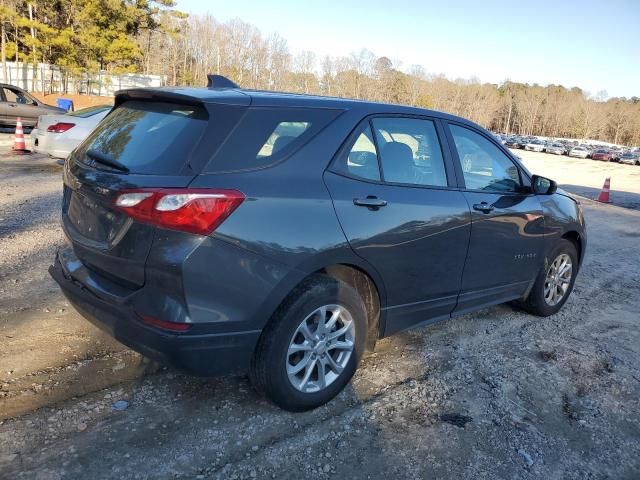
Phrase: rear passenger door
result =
(506, 244)
(393, 188)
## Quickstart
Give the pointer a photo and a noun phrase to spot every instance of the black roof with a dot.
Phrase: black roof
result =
(239, 96)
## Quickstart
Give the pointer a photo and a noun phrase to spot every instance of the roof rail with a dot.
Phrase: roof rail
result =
(219, 81)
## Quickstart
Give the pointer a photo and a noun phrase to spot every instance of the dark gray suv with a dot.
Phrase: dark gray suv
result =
(225, 230)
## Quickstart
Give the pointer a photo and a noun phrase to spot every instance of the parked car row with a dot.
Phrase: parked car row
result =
(57, 133)
(572, 149)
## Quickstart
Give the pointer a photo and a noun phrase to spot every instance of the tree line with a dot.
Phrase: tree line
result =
(154, 37)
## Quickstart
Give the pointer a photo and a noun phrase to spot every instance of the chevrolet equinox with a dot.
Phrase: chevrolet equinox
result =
(226, 230)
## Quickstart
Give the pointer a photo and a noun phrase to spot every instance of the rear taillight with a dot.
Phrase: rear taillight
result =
(194, 210)
(60, 127)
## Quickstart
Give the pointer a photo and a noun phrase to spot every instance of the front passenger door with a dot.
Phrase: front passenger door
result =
(393, 190)
(507, 222)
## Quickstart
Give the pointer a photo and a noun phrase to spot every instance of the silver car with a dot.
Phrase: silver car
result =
(556, 149)
(58, 135)
(630, 158)
(534, 146)
(579, 152)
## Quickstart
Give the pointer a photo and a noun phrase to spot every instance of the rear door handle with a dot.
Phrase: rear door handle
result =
(483, 207)
(370, 202)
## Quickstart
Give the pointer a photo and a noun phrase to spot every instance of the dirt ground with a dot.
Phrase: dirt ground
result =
(496, 394)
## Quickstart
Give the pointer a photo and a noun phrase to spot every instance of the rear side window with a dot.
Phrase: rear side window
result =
(362, 158)
(282, 135)
(267, 135)
(148, 137)
(410, 151)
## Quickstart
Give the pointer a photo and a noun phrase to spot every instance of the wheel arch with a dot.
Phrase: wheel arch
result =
(348, 268)
(368, 292)
(574, 237)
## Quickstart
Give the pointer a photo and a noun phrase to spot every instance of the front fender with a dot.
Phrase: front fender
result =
(563, 218)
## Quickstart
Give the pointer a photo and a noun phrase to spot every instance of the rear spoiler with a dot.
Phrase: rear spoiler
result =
(185, 95)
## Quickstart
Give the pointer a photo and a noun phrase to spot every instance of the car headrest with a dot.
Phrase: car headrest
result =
(397, 154)
(281, 142)
(362, 158)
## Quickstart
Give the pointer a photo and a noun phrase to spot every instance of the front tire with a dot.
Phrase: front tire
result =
(312, 345)
(555, 281)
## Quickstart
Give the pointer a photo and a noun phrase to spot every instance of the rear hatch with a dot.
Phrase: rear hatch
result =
(149, 140)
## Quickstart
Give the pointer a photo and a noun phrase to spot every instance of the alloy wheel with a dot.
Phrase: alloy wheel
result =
(558, 279)
(320, 348)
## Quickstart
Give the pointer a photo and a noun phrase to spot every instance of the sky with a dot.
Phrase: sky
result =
(594, 45)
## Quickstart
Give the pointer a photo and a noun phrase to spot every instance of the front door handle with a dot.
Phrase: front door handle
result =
(483, 207)
(370, 202)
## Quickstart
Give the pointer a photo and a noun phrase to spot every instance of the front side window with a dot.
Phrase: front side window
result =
(16, 96)
(410, 151)
(484, 165)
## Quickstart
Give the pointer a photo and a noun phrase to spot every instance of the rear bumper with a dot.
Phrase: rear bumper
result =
(199, 353)
(44, 143)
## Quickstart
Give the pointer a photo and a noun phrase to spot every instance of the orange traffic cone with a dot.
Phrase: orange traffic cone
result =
(19, 147)
(604, 194)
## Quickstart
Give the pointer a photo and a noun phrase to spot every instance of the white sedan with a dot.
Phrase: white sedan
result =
(579, 152)
(534, 146)
(58, 135)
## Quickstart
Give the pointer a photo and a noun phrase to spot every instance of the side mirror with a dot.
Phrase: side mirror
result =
(543, 186)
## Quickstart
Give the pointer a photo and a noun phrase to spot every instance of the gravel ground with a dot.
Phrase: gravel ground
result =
(496, 394)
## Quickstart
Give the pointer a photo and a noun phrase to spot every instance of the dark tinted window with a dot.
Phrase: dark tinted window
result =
(484, 165)
(410, 151)
(265, 136)
(148, 137)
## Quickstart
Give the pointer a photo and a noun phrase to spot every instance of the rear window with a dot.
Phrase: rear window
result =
(266, 136)
(148, 137)
(90, 111)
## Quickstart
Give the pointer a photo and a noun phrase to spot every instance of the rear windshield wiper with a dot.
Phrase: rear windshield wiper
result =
(106, 160)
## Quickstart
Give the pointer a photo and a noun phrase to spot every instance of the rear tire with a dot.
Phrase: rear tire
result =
(544, 298)
(273, 363)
